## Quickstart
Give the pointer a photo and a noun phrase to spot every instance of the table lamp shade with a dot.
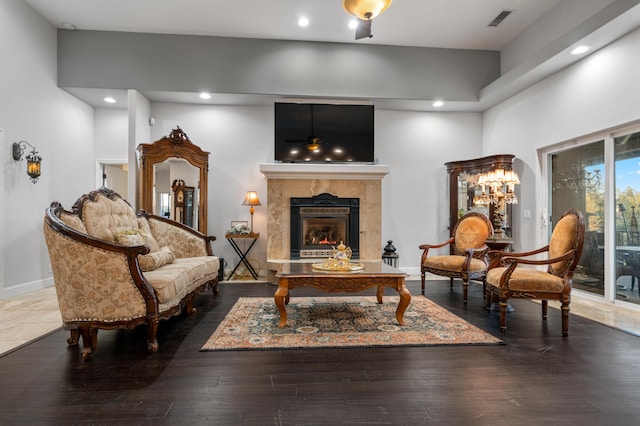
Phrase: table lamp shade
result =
(251, 199)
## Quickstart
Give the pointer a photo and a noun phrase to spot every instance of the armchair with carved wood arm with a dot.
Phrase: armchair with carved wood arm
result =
(468, 248)
(509, 278)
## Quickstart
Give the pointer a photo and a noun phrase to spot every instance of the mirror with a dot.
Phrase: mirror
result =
(468, 193)
(176, 191)
(174, 179)
(184, 202)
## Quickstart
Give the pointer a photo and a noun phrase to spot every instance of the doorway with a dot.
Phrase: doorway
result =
(114, 175)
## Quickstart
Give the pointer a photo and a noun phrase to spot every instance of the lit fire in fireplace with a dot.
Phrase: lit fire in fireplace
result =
(321, 222)
(323, 231)
(325, 241)
(321, 235)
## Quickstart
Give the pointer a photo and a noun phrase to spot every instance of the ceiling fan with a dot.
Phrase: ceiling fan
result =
(365, 11)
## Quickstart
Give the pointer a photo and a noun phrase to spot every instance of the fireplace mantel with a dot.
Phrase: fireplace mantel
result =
(324, 171)
(286, 180)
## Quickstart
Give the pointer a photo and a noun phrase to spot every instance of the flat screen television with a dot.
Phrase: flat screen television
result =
(323, 133)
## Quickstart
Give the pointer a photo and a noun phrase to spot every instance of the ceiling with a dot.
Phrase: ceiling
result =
(454, 24)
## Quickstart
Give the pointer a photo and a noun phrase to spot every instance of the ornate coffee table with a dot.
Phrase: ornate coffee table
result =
(374, 274)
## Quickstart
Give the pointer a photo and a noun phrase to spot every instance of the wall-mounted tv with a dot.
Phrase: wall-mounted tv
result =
(323, 133)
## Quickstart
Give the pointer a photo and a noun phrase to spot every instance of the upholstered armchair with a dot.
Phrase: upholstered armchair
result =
(468, 248)
(509, 278)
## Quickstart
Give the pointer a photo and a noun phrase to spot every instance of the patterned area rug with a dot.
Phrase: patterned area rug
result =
(322, 322)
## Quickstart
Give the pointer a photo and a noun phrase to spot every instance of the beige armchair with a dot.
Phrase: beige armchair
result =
(507, 278)
(468, 261)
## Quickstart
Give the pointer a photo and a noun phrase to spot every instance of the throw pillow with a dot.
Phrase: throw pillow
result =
(131, 237)
(151, 261)
(149, 240)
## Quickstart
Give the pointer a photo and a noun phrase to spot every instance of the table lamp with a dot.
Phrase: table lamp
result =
(251, 199)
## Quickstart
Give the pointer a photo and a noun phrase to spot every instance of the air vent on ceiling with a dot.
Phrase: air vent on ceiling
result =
(501, 17)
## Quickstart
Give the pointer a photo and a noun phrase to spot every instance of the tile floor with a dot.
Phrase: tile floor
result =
(27, 317)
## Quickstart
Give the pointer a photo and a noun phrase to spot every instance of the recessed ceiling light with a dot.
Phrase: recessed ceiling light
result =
(438, 104)
(580, 50)
(303, 22)
(109, 100)
(205, 95)
(353, 24)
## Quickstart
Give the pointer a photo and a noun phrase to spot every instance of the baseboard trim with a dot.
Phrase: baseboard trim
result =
(25, 288)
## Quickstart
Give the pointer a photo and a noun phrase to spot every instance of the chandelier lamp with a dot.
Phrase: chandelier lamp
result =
(498, 190)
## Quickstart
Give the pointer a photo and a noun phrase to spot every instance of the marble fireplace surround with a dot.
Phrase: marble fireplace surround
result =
(286, 180)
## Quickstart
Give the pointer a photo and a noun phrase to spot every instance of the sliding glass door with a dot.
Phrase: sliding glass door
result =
(578, 179)
(577, 182)
(627, 183)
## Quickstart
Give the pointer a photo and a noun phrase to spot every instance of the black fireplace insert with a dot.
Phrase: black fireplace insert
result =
(322, 222)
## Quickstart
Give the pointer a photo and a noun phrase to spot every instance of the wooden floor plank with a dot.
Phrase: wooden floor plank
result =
(538, 377)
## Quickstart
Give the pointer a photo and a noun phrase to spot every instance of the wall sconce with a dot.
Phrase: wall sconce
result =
(34, 159)
(251, 199)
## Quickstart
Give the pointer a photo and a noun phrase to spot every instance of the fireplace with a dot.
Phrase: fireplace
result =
(321, 222)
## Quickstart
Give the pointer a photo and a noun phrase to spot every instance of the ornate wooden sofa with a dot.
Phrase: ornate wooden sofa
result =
(115, 268)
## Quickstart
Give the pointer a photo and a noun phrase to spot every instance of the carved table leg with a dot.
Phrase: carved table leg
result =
(405, 299)
(281, 297)
(380, 293)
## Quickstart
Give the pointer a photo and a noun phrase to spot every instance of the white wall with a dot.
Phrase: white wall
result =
(111, 134)
(110, 142)
(238, 139)
(415, 193)
(414, 144)
(34, 109)
(139, 110)
(599, 92)
(595, 94)
(563, 25)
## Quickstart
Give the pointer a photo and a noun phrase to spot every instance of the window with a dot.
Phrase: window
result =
(627, 184)
(577, 178)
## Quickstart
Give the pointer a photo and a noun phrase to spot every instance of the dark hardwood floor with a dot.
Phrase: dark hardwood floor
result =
(538, 377)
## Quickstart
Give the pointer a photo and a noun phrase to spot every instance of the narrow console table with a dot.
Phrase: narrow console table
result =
(243, 254)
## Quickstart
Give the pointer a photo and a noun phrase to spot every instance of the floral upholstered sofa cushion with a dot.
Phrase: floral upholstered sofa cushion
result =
(115, 221)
